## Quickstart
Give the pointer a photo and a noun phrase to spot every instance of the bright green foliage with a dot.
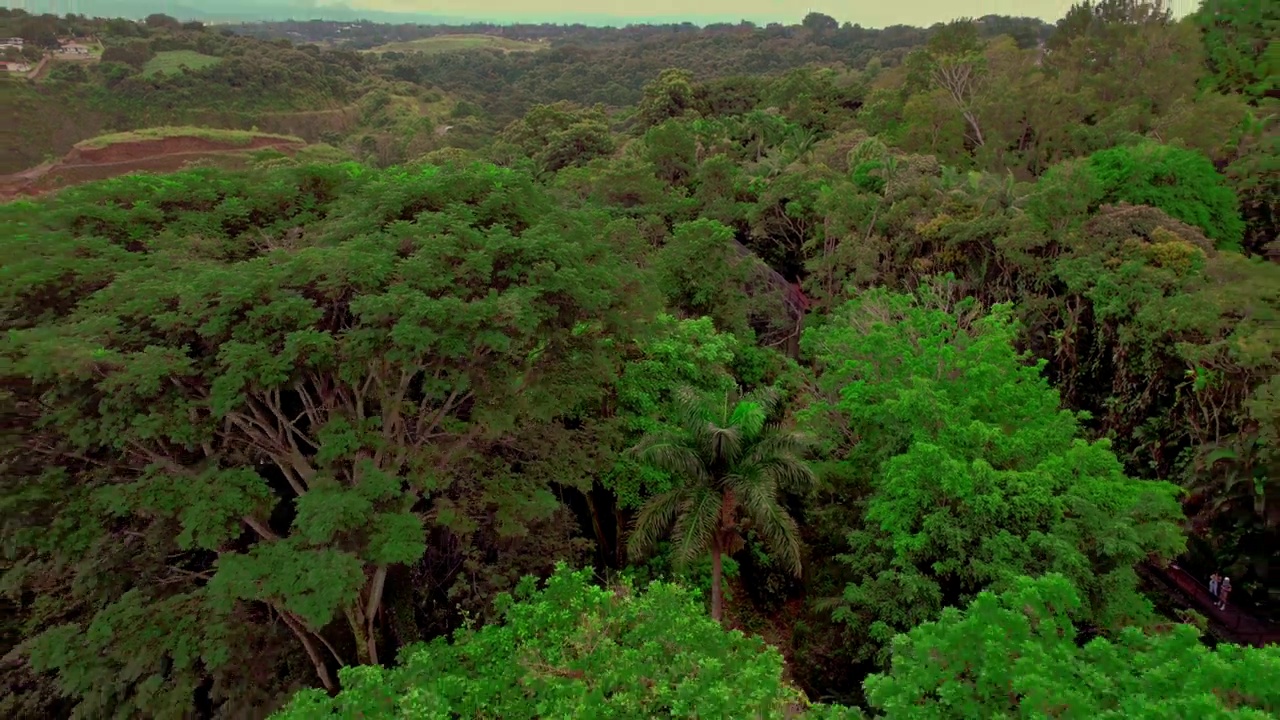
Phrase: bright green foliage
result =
(574, 650)
(680, 353)
(728, 458)
(1015, 654)
(1183, 183)
(978, 476)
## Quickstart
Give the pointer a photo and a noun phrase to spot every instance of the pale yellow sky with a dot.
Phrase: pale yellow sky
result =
(869, 13)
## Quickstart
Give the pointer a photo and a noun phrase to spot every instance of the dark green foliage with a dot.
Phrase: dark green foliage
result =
(359, 361)
(561, 135)
(702, 272)
(1239, 41)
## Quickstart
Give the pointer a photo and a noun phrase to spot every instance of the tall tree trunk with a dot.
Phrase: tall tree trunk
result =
(597, 526)
(793, 342)
(717, 600)
(355, 620)
(619, 526)
(371, 611)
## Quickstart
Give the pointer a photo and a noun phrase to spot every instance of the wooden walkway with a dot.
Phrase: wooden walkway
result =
(1232, 623)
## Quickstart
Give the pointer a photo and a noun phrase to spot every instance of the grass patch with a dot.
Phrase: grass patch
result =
(454, 43)
(230, 137)
(171, 62)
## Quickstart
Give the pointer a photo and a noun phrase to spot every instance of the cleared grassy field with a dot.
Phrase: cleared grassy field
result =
(172, 61)
(454, 43)
(230, 137)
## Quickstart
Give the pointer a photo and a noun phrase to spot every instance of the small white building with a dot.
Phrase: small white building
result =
(14, 67)
(11, 42)
(73, 48)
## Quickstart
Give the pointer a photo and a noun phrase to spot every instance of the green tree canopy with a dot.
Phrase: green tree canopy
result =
(574, 650)
(704, 272)
(294, 407)
(680, 354)
(561, 135)
(976, 475)
(1018, 654)
(1240, 45)
(1183, 183)
(670, 95)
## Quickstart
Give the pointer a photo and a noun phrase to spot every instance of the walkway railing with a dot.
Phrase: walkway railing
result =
(1234, 623)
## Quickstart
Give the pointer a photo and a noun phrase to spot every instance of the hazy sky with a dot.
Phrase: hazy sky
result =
(869, 13)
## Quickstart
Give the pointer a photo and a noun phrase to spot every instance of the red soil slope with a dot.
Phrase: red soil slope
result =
(160, 155)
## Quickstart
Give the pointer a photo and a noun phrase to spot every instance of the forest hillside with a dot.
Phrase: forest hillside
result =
(736, 372)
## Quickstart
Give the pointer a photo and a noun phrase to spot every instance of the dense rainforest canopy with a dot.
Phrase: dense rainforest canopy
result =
(728, 372)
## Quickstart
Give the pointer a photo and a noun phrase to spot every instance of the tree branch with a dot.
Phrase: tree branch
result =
(260, 527)
(303, 634)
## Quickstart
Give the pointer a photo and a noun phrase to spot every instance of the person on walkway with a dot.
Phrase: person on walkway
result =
(1214, 581)
(1224, 589)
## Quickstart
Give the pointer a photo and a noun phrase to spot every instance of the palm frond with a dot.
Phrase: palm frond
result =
(774, 441)
(789, 473)
(778, 457)
(656, 516)
(768, 398)
(695, 529)
(723, 444)
(699, 422)
(750, 417)
(771, 521)
(690, 408)
(672, 455)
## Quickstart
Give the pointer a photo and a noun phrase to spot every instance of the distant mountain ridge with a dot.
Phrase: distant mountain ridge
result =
(234, 11)
(250, 11)
(272, 10)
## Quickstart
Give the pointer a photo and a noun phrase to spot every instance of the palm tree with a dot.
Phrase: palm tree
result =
(728, 462)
